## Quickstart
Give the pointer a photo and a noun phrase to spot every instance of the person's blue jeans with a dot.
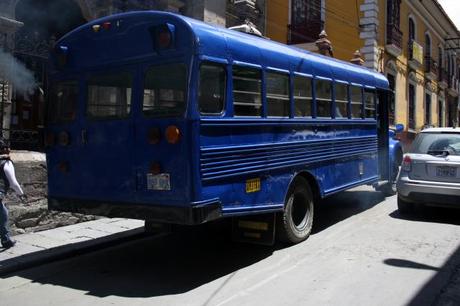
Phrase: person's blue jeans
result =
(4, 232)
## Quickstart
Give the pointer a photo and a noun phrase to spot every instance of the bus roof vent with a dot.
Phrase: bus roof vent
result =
(248, 27)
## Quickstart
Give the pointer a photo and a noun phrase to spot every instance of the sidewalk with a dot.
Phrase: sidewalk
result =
(59, 243)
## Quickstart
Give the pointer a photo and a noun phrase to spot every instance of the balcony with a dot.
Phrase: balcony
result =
(415, 55)
(442, 78)
(394, 40)
(431, 68)
(304, 33)
(453, 86)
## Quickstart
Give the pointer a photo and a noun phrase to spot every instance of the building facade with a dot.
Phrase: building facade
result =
(29, 28)
(414, 43)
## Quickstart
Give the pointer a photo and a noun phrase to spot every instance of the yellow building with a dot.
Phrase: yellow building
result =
(411, 42)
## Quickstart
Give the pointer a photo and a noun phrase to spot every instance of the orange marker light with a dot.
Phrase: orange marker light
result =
(64, 138)
(172, 134)
(96, 27)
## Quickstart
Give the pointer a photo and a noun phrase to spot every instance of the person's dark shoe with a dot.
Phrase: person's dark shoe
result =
(8, 244)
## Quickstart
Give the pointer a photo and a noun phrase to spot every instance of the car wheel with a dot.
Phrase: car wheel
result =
(405, 207)
(295, 223)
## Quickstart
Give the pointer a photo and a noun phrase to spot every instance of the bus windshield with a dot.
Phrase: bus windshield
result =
(165, 90)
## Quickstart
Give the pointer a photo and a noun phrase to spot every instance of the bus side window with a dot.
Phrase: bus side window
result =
(356, 102)
(302, 96)
(369, 103)
(211, 95)
(247, 89)
(323, 98)
(277, 94)
(341, 100)
(109, 95)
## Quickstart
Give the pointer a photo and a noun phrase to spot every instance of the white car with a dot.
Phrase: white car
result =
(430, 171)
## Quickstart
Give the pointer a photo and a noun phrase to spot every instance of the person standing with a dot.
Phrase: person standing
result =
(7, 180)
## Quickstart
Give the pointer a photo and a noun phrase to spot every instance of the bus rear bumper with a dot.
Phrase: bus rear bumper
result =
(195, 213)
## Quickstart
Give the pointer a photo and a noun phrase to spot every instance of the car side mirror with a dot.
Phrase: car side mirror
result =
(399, 128)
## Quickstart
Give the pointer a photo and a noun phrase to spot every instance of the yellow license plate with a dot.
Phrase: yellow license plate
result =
(253, 185)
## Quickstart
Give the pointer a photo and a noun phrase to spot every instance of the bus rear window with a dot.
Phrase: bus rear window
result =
(165, 90)
(63, 102)
(109, 96)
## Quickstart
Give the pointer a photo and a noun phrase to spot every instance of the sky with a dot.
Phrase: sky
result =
(452, 7)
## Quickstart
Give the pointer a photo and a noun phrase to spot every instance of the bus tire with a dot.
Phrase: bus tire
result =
(295, 223)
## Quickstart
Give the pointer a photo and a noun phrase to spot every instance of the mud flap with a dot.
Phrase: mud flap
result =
(257, 229)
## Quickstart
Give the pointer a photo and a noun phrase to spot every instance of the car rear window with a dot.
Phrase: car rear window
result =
(436, 144)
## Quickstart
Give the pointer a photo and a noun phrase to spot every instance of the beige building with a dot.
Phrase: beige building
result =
(412, 42)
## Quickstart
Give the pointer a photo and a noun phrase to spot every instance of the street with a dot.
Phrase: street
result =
(362, 252)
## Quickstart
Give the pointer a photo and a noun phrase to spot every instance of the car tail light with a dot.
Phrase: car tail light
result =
(406, 164)
(172, 134)
(106, 25)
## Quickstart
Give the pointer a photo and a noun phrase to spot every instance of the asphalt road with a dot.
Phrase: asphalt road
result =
(362, 252)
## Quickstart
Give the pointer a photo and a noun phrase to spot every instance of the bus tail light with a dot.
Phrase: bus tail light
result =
(50, 139)
(172, 134)
(154, 135)
(164, 36)
(406, 164)
(64, 139)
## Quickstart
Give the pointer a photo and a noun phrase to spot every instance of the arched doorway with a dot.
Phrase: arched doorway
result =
(44, 22)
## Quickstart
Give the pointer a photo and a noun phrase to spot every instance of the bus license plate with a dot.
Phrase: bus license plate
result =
(446, 171)
(158, 182)
(253, 185)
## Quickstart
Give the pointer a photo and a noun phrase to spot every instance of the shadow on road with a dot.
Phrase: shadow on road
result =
(431, 214)
(182, 261)
(342, 206)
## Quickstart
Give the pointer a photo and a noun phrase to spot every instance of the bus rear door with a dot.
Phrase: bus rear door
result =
(162, 152)
(106, 136)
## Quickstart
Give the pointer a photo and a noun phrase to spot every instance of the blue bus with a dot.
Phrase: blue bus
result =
(167, 119)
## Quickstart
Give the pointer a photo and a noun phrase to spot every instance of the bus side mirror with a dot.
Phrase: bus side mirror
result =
(399, 128)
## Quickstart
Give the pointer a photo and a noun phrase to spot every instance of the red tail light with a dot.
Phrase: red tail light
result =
(154, 135)
(155, 168)
(406, 164)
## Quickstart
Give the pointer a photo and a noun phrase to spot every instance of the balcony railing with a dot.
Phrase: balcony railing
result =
(431, 66)
(305, 33)
(394, 36)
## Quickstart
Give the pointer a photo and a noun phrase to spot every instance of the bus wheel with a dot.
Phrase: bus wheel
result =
(295, 223)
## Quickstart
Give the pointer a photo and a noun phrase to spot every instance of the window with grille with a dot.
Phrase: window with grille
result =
(247, 91)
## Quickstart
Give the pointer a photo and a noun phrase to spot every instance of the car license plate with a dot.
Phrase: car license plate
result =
(446, 171)
(158, 182)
